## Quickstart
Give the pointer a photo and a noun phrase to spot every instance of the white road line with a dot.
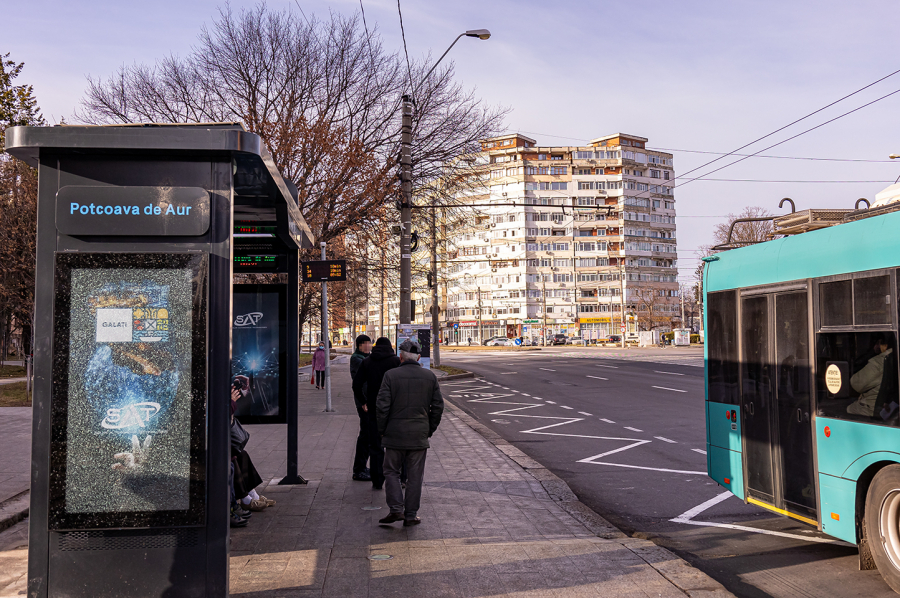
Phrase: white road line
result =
(564, 407)
(670, 373)
(504, 387)
(701, 451)
(632, 429)
(664, 439)
(537, 398)
(598, 378)
(551, 402)
(600, 365)
(672, 389)
(525, 395)
(688, 518)
(505, 373)
(547, 369)
(609, 421)
(587, 414)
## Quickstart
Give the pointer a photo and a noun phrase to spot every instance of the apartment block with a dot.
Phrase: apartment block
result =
(573, 240)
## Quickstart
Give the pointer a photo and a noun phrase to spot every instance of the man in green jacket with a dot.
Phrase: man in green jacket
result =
(408, 409)
(360, 471)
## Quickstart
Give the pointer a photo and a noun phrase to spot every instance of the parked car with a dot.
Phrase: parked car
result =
(577, 340)
(499, 341)
(488, 341)
(558, 339)
(614, 338)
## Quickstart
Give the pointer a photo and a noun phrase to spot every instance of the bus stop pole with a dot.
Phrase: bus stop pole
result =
(326, 338)
(293, 382)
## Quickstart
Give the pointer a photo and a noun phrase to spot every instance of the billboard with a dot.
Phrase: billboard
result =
(258, 351)
(129, 398)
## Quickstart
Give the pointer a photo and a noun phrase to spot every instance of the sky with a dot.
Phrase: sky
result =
(690, 75)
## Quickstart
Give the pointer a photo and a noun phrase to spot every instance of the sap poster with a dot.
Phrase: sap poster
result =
(126, 409)
(258, 351)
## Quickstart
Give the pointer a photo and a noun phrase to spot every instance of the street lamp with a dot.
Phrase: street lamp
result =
(406, 107)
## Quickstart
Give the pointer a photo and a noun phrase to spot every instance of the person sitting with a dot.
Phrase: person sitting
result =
(867, 381)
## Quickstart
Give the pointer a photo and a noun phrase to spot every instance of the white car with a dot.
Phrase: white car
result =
(576, 340)
(499, 342)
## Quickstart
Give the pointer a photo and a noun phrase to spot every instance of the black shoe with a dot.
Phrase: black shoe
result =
(238, 521)
(241, 512)
(410, 522)
(391, 518)
(362, 476)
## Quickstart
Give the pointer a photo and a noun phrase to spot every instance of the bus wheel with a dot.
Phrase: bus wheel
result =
(883, 523)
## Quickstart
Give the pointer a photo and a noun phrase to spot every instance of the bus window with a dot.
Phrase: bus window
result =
(835, 303)
(721, 339)
(872, 300)
(856, 376)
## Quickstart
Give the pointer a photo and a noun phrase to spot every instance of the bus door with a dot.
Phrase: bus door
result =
(776, 402)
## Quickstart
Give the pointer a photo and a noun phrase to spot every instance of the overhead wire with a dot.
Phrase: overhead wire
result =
(403, 35)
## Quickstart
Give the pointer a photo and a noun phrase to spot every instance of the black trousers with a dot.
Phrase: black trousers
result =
(320, 378)
(376, 453)
(362, 443)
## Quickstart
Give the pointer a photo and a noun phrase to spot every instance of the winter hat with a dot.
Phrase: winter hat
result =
(384, 342)
(362, 338)
(410, 346)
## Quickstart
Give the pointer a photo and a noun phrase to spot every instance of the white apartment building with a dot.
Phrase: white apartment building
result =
(570, 240)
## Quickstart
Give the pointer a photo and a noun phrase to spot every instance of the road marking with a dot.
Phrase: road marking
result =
(701, 451)
(632, 429)
(688, 518)
(564, 407)
(547, 369)
(525, 395)
(664, 439)
(583, 413)
(504, 388)
(505, 373)
(672, 389)
(600, 365)
(670, 373)
(551, 402)
(609, 421)
(598, 378)
(537, 398)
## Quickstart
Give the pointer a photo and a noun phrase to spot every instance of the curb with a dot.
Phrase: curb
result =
(14, 509)
(677, 571)
(457, 376)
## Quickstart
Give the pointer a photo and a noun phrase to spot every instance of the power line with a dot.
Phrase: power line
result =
(667, 149)
(777, 181)
(786, 140)
(403, 35)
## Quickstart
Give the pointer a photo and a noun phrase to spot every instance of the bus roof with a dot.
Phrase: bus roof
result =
(867, 244)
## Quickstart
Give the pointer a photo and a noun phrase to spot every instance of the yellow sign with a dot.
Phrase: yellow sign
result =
(833, 380)
(593, 320)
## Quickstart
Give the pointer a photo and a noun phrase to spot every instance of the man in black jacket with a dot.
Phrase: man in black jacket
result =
(365, 391)
(360, 471)
(408, 410)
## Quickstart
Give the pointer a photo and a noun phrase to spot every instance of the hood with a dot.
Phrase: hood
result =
(379, 353)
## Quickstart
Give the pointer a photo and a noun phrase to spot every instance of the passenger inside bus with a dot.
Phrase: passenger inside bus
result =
(869, 361)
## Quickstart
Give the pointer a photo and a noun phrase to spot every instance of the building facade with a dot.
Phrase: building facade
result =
(573, 240)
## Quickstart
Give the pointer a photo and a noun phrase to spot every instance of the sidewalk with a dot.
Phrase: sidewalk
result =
(489, 527)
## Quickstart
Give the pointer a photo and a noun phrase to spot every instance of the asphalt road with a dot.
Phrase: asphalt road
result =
(626, 431)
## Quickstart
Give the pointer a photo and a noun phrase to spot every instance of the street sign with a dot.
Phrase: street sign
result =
(622, 327)
(518, 341)
(324, 271)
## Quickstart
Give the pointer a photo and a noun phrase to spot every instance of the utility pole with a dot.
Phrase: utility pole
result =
(327, 340)
(435, 323)
(381, 307)
(624, 328)
(406, 210)
(544, 297)
(480, 328)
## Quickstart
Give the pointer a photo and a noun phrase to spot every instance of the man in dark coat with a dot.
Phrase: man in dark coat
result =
(408, 411)
(365, 391)
(360, 471)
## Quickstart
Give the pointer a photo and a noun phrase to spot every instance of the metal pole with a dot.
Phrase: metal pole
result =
(405, 210)
(435, 323)
(622, 283)
(326, 338)
(480, 328)
(292, 384)
(544, 296)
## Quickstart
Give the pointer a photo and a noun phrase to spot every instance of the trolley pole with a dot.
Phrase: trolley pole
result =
(327, 340)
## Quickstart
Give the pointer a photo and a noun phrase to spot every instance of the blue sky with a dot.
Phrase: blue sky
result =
(688, 75)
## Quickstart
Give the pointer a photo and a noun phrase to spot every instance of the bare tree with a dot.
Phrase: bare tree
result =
(745, 233)
(325, 97)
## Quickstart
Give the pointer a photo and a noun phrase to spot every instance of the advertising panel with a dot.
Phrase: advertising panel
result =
(258, 351)
(129, 398)
(421, 333)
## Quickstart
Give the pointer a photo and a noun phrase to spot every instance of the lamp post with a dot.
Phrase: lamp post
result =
(406, 107)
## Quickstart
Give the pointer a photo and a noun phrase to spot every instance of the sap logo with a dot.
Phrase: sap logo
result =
(248, 319)
(138, 414)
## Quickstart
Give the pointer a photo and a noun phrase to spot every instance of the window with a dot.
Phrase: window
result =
(582, 171)
(562, 278)
(585, 247)
(666, 175)
(587, 307)
(584, 155)
(654, 174)
(562, 263)
(559, 186)
(870, 304)
(587, 262)
(656, 203)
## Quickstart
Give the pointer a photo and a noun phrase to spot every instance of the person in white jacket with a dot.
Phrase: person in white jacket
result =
(867, 381)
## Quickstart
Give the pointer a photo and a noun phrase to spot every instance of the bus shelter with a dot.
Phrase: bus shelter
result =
(136, 250)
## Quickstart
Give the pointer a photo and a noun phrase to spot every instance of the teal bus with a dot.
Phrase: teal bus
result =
(802, 386)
